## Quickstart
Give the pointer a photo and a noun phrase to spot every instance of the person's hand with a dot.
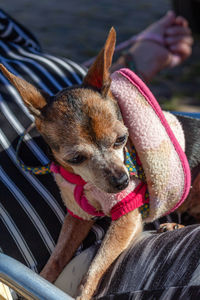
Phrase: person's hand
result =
(173, 44)
(178, 39)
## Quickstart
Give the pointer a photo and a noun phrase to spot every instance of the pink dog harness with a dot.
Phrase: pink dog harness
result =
(136, 198)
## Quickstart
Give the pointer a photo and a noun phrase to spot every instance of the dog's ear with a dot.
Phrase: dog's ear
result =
(98, 75)
(33, 98)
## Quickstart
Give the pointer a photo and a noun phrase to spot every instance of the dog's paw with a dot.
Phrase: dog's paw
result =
(83, 295)
(86, 289)
(169, 227)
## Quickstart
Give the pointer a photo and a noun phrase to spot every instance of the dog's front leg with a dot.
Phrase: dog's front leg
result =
(73, 232)
(117, 239)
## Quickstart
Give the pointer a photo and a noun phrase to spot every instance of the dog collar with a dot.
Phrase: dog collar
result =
(133, 165)
(39, 170)
(71, 177)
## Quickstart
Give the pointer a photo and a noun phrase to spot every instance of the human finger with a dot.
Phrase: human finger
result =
(173, 40)
(177, 30)
(183, 50)
(181, 21)
(168, 19)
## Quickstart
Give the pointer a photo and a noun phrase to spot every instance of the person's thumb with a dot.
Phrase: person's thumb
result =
(168, 19)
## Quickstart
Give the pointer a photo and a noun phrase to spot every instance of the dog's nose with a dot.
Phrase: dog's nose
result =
(120, 182)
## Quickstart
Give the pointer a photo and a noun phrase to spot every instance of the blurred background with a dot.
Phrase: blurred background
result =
(77, 29)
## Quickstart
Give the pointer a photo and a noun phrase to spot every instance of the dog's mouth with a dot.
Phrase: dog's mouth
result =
(116, 185)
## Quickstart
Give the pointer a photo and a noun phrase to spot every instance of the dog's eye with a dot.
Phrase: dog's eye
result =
(78, 159)
(120, 141)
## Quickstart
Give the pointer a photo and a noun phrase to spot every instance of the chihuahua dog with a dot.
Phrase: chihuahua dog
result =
(84, 128)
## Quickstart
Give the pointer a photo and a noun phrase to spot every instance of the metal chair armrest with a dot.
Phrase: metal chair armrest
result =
(27, 283)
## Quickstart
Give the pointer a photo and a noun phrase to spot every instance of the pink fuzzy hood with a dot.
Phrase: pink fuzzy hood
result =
(163, 159)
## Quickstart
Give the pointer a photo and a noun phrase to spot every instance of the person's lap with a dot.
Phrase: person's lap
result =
(159, 266)
(156, 266)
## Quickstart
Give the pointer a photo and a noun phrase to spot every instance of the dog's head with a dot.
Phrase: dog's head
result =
(82, 124)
